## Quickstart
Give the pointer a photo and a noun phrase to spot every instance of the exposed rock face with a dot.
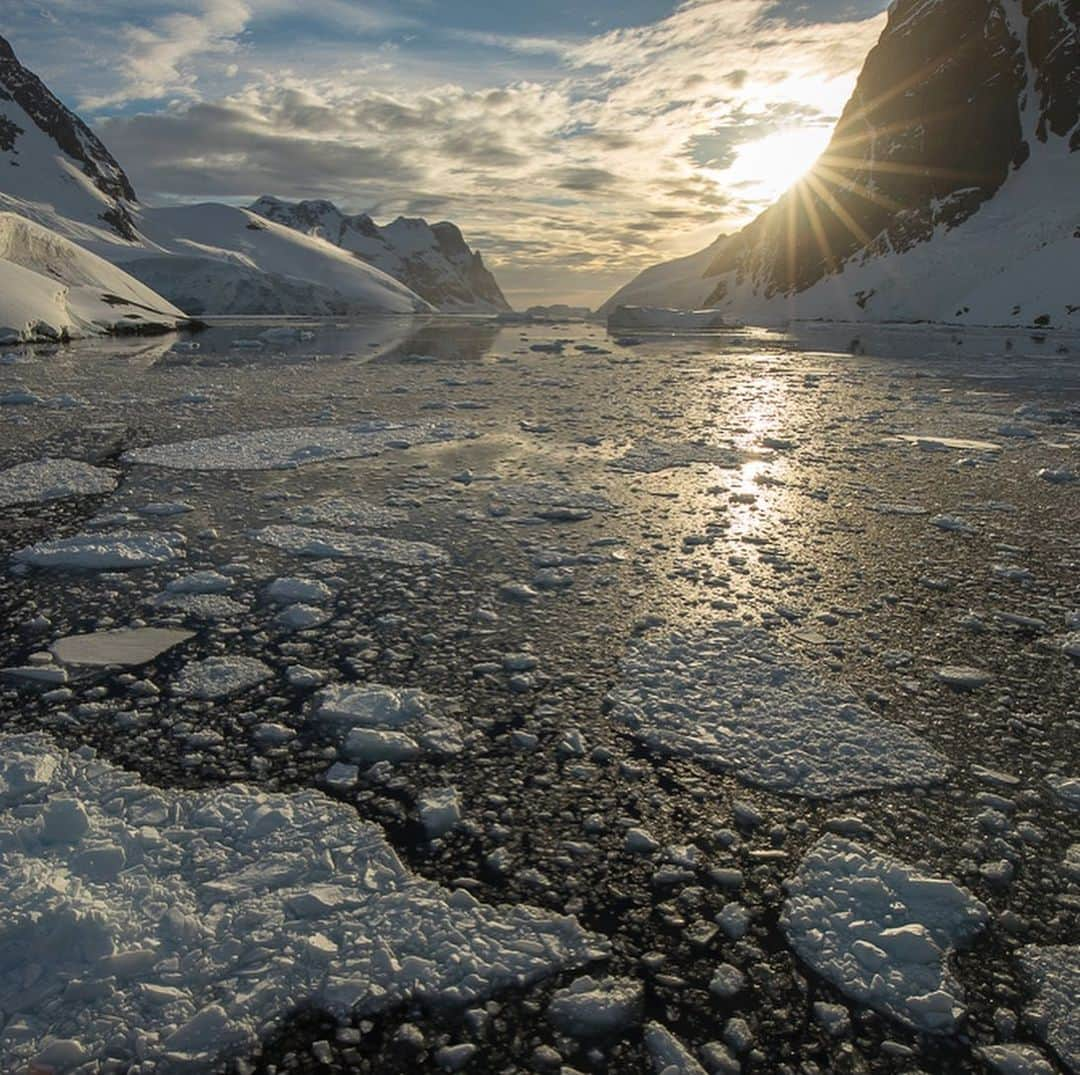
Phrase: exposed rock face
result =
(24, 97)
(941, 114)
(949, 190)
(432, 259)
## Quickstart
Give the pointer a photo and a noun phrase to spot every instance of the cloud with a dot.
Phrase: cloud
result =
(629, 146)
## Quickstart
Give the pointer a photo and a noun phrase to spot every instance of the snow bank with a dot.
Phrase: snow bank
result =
(881, 932)
(218, 259)
(52, 289)
(734, 699)
(174, 926)
(293, 446)
(53, 479)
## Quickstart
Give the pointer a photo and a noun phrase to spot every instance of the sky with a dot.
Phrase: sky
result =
(575, 143)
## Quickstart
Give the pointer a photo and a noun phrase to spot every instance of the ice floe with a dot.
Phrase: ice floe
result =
(590, 1008)
(881, 931)
(734, 699)
(53, 479)
(127, 647)
(374, 723)
(174, 927)
(123, 550)
(284, 449)
(219, 677)
(334, 544)
(669, 1055)
(1055, 1015)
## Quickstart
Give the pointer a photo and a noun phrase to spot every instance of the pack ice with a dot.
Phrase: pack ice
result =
(53, 479)
(732, 698)
(881, 932)
(284, 449)
(171, 927)
(120, 551)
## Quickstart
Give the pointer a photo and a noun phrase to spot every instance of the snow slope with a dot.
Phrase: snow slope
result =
(432, 259)
(950, 190)
(52, 289)
(52, 166)
(681, 284)
(219, 259)
(205, 259)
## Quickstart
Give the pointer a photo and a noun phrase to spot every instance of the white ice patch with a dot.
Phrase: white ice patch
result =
(175, 926)
(590, 1008)
(53, 479)
(1055, 1014)
(546, 499)
(732, 698)
(284, 449)
(939, 444)
(127, 647)
(199, 606)
(346, 513)
(333, 545)
(881, 932)
(375, 723)
(669, 1055)
(120, 551)
(219, 677)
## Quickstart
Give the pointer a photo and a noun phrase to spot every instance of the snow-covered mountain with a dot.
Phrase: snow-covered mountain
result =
(432, 259)
(950, 190)
(52, 289)
(205, 259)
(52, 164)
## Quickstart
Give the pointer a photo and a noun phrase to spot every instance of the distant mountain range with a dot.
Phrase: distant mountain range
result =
(433, 259)
(950, 190)
(202, 259)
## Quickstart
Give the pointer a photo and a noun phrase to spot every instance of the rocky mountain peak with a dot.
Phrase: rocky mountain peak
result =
(28, 98)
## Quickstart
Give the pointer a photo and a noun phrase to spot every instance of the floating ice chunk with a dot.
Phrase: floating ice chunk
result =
(269, 901)
(346, 513)
(290, 591)
(1067, 788)
(200, 606)
(53, 479)
(899, 509)
(931, 443)
(733, 699)
(962, 677)
(283, 449)
(127, 647)
(548, 500)
(589, 1008)
(200, 582)
(1055, 1016)
(440, 811)
(1057, 477)
(121, 551)
(377, 723)
(669, 1055)
(1015, 1060)
(727, 981)
(46, 674)
(333, 544)
(164, 509)
(301, 617)
(219, 677)
(880, 932)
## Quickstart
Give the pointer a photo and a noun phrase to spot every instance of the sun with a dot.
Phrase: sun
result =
(766, 167)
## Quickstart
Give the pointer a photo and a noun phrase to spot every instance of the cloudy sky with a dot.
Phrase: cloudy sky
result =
(574, 141)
